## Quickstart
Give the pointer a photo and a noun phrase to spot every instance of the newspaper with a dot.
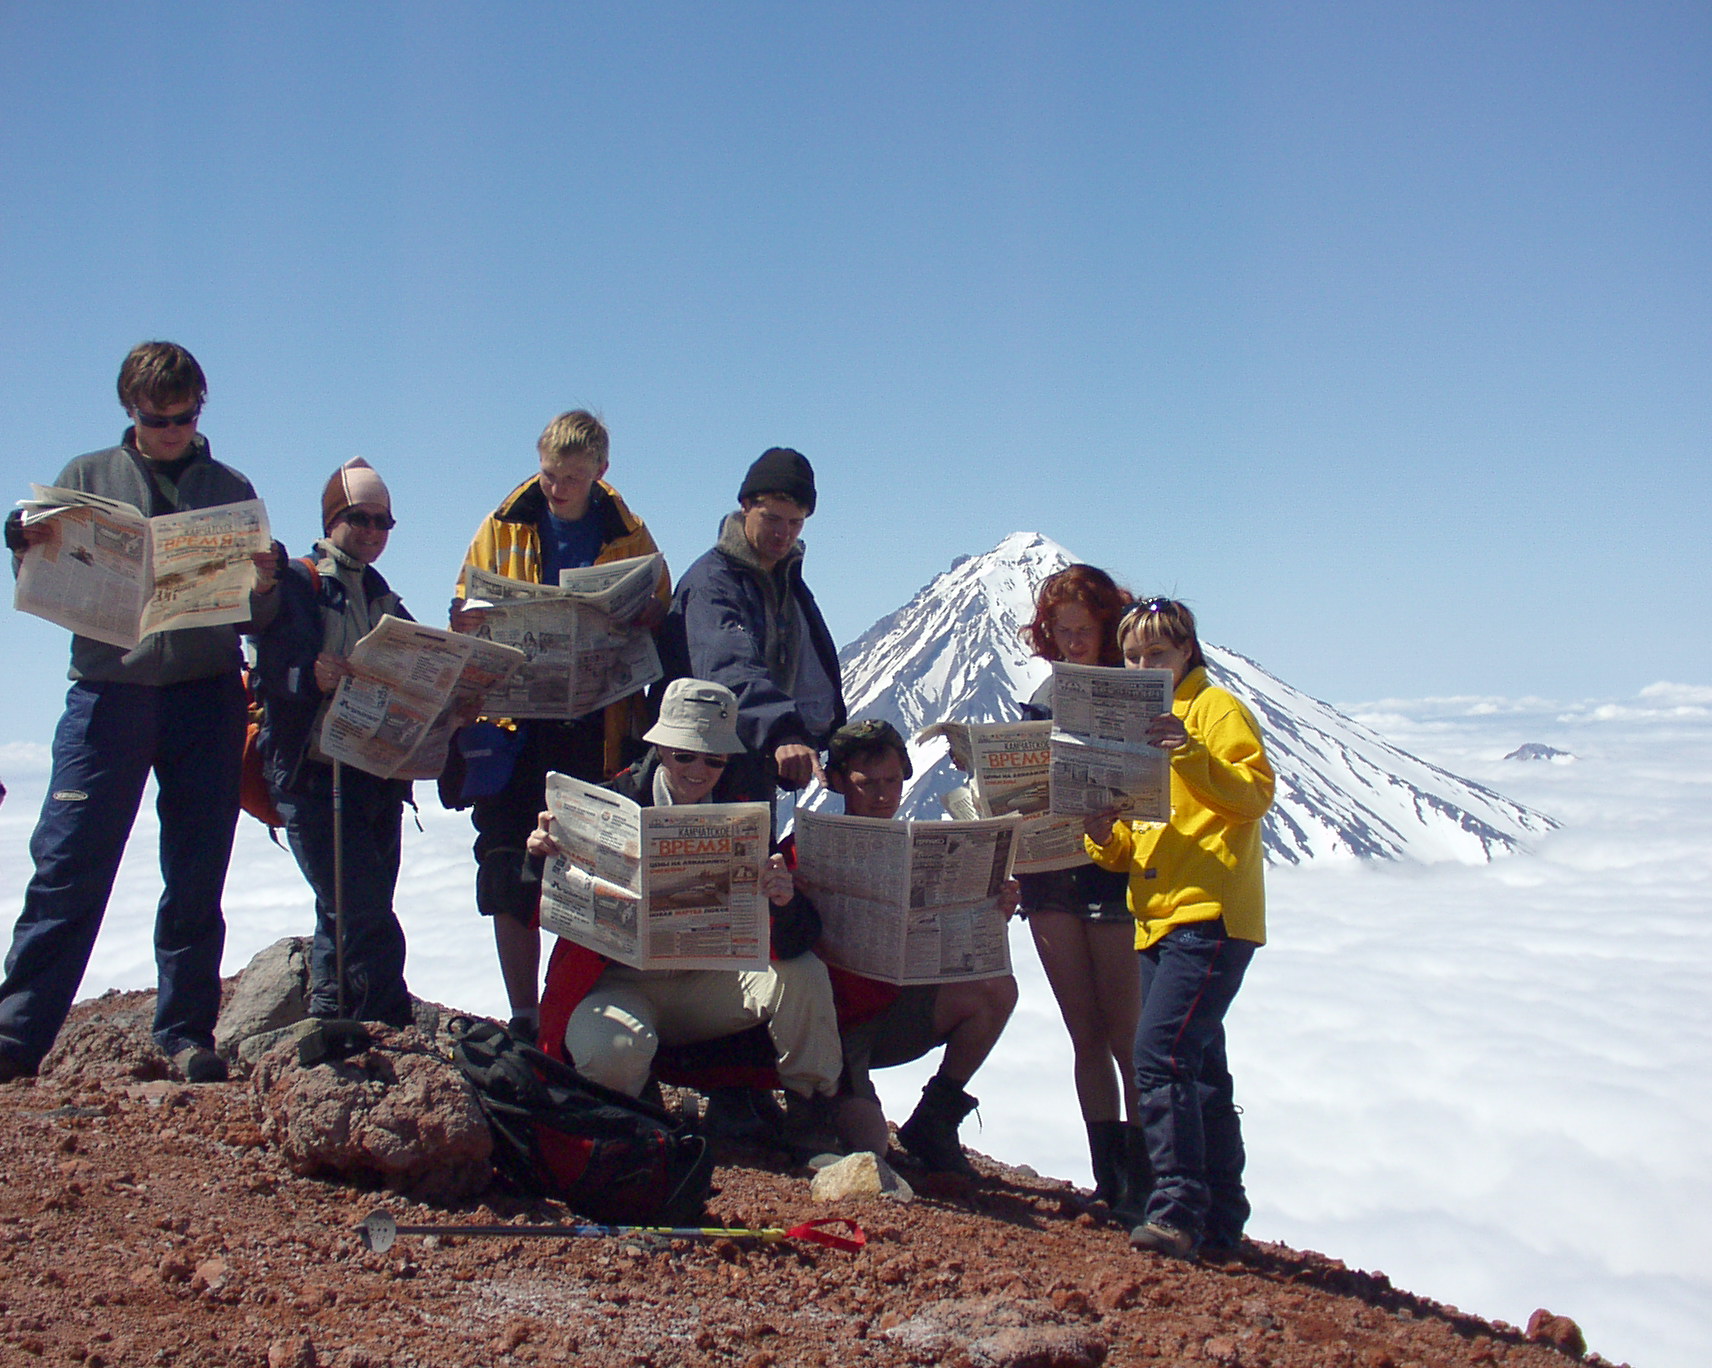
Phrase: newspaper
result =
(1009, 765)
(908, 902)
(580, 650)
(394, 717)
(1100, 755)
(116, 576)
(657, 887)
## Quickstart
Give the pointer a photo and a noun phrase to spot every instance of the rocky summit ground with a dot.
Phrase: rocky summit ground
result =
(145, 1221)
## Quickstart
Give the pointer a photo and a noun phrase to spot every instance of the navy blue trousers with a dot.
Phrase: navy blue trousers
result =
(374, 941)
(1188, 1105)
(111, 737)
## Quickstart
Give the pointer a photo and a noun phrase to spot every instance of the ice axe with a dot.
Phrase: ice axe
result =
(378, 1230)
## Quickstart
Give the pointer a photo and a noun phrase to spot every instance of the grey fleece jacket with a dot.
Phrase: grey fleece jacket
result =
(175, 657)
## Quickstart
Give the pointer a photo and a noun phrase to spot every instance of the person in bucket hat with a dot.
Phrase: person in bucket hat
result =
(610, 1020)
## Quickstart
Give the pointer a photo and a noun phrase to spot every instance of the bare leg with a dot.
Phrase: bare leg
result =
(519, 947)
(1117, 989)
(862, 1125)
(972, 1016)
(1067, 954)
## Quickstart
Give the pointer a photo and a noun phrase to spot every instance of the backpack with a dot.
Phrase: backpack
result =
(556, 1134)
(253, 795)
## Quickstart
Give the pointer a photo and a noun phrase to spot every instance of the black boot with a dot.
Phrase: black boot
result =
(1138, 1178)
(930, 1135)
(1106, 1149)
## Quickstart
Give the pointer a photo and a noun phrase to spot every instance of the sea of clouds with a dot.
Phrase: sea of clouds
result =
(1492, 1082)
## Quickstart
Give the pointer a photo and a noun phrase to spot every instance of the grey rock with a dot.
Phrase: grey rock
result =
(272, 992)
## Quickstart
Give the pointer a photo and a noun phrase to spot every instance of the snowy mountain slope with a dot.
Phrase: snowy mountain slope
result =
(954, 651)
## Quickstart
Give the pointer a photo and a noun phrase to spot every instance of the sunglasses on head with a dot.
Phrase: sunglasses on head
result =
(163, 420)
(690, 757)
(371, 522)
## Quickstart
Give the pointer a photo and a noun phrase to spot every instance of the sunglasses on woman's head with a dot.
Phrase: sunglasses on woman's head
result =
(371, 522)
(690, 757)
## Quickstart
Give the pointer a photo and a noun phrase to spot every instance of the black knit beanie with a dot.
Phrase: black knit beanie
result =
(779, 470)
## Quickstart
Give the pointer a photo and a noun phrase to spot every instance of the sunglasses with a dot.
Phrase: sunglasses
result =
(717, 762)
(165, 420)
(371, 522)
(1145, 608)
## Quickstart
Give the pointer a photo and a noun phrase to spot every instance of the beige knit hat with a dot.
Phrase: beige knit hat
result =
(355, 482)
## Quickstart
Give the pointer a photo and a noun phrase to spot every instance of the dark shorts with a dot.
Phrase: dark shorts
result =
(898, 1035)
(1089, 892)
(506, 885)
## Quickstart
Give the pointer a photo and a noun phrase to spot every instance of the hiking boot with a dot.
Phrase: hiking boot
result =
(1163, 1239)
(525, 1028)
(810, 1128)
(1107, 1153)
(199, 1064)
(1138, 1179)
(930, 1135)
(746, 1114)
(1223, 1251)
(11, 1068)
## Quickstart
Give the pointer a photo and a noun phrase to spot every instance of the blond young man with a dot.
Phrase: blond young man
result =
(564, 516)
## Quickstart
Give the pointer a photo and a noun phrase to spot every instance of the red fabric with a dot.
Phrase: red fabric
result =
(857, 999)
(740, 1061)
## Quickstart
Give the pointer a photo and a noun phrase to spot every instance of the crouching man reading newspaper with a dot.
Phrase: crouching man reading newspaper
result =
(610, 1019)
(885, 1025)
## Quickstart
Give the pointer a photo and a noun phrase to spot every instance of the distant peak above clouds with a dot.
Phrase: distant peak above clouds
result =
(955, 651)
(1537, 750)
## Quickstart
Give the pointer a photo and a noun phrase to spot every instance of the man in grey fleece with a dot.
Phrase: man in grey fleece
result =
(173, 705)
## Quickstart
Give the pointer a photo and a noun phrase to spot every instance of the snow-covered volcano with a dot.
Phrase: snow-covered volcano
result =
(955, 651)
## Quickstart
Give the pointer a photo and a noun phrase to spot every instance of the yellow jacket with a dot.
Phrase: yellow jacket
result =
(509, 543)
(1206, 862)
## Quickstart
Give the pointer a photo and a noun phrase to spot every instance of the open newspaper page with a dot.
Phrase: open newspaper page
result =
(1009, 766)
(580, 651)
(657, 887)
(1100, 755)
(116, 576)
(591, 893)
(908, 902)
(394, 716)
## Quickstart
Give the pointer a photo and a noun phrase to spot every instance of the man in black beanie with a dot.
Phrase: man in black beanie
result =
(742, 617)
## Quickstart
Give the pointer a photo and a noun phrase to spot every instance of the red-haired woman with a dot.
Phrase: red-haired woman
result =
(1080, 917)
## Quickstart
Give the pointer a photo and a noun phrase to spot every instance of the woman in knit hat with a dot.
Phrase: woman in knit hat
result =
(330, 600)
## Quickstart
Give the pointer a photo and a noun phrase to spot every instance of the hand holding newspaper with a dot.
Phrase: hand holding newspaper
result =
(582, 650)
(394, 715)
(908, 902)
(657, 887)
(1100, 755)
(113, 575)
(1009, 764)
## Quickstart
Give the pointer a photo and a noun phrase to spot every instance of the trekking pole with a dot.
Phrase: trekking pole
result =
(339, 881)
(378, 1230)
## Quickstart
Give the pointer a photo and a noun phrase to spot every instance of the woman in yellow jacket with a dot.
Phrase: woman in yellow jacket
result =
(1196, 892)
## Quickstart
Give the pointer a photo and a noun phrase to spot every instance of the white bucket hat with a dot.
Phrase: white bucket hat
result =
(697, 715)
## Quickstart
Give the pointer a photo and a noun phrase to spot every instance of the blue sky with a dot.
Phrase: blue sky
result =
(1379, 332)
